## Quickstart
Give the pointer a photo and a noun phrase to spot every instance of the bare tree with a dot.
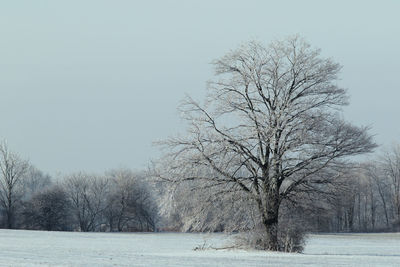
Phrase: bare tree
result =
(12, 169)
(88, 195)
(378, 186)
(130, 205)
(269, 128)
(391, 168)
(48, 210)
(34, 181)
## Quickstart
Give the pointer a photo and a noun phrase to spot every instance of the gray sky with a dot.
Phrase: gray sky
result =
(89, 85)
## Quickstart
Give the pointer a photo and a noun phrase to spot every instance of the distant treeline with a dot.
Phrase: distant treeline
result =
(120, 200)
(366, 199)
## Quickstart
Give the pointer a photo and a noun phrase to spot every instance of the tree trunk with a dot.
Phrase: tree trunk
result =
(9, 219)
(359, 211)
(271, 226)
(351, 214)
(373, 212)
(110, 220)
(365, 224)
(382, 195)
(10, 211)
(270, 220)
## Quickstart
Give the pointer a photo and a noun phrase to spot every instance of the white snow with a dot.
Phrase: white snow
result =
(37, 248)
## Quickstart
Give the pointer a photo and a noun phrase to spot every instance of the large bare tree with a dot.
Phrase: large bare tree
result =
(12, 169)
(270, 127)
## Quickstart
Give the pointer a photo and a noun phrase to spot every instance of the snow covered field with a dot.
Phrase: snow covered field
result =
(36, 248)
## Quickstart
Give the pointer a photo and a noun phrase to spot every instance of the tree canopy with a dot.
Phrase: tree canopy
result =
(270, 128)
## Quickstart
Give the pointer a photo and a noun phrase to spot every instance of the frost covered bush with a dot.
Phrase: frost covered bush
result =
(291, 238)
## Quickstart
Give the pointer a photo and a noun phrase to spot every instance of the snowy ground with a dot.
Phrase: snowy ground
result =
(33, 248)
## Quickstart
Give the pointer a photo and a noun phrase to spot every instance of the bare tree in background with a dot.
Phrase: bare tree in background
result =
(391, 168)
(34, 181)
(269, 129)
(130, 205)
(48, 210)
(368, 202)
(12, 169)
(87, 195)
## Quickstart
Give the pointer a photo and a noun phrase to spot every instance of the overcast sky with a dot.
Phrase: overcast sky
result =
(89, 85)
